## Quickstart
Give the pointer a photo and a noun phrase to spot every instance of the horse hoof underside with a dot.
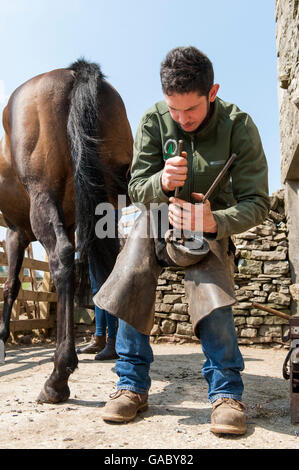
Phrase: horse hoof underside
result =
(51, 396)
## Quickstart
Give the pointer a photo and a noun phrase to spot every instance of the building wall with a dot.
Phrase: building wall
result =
(288, 80)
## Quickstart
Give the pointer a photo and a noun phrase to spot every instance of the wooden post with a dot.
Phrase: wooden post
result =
(38, 317)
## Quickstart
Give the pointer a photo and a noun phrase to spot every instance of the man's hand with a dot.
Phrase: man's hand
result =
(174, 173)
(194, 217)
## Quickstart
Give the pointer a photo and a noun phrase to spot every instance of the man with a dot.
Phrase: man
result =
(211, 130)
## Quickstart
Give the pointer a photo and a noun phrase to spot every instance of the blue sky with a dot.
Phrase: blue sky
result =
(130, 38)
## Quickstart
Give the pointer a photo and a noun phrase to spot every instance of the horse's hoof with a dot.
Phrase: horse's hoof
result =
(50, 396)
(42, 398)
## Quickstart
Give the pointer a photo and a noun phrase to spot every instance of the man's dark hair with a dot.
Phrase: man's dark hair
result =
(186, 69)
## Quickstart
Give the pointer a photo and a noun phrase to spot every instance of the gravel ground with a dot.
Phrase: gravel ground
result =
(178, 415)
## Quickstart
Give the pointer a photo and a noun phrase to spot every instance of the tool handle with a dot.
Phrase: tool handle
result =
(272, 310)
(177, 189)
(219, 177)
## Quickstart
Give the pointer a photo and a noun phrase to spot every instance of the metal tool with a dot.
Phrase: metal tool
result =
(193, 242)
(219, 177)
(290, 368)
(177, 189)
(189, 242)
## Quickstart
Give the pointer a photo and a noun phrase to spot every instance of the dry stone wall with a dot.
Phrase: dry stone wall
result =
(262, 274)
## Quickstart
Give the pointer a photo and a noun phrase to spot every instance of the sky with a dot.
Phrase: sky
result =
(130, 38)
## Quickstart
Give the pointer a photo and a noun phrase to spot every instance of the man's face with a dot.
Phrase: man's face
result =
(189, 109)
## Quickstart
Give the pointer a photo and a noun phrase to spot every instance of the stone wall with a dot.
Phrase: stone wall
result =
(287, 44)
(262, 274)
(287, 40)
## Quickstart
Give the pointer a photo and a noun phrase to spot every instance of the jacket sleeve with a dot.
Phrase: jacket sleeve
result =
(147, 166)
(249, 177)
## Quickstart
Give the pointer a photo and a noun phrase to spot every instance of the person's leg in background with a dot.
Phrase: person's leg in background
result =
(103, 320)
(98, 342)
(109, 350)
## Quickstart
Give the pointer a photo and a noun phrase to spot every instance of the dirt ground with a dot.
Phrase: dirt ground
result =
(178, 415)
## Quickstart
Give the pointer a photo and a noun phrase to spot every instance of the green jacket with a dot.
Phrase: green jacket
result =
(240, 201)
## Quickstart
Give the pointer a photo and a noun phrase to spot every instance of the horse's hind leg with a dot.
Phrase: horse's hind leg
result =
(48, 226)
(16, 243)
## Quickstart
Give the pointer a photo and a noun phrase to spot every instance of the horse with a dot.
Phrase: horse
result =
(67, 147)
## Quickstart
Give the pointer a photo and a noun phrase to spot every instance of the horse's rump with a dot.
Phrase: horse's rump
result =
(67, 147)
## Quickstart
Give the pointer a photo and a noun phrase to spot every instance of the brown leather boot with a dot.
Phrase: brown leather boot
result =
(124, 406)
(228, 417)
(97, 344)
(108, 352)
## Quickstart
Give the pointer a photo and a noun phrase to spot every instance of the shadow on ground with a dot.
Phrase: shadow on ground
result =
(178, 387)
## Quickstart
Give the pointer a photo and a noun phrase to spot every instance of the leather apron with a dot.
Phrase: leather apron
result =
(129, 293)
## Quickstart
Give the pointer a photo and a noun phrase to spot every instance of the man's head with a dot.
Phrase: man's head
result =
(187, 79)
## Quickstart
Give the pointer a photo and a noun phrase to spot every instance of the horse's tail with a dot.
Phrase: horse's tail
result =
(83, 129)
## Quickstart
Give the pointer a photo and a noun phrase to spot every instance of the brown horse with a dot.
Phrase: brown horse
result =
(67, 147)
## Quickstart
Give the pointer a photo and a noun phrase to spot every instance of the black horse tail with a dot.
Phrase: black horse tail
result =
(83, 129)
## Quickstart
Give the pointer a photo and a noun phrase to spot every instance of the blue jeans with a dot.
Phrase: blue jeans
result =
(103, 319)
(218, 337)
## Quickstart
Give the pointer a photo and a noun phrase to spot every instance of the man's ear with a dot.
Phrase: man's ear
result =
(213, 92)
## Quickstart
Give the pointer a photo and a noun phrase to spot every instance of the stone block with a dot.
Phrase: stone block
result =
(269, 320)
(168, 327)
(238, 311)
(248, 332)
(178, 288)
(269, 287)
(169, 275)
(246, 266)
(245, 236)
(242, 298)
(294, 290)
(284, 290)
(251, 287)
(254, 321)
(264, 230)
(276, 267)
(161, 307)
(161, 315)
(276, 255)
(159, 296)
(184, 328)
(171, 298)
(280, 236)
(239, 321)
(156, 330)
(256, 311)
(270, 331)
(178, 317)
(259, 293)
(243, 305)
(280, 299)
(260, 300)
(180, 308)
(164, 288)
